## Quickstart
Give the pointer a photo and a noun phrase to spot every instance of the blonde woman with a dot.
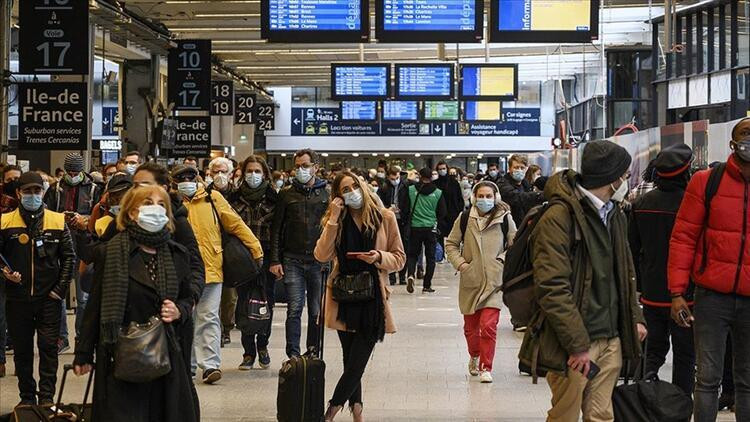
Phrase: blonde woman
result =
(359, 237)
(489, 229)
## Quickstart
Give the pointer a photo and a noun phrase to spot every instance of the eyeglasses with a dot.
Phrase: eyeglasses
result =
(185, 178)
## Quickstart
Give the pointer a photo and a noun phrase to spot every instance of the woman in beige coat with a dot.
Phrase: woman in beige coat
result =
(480, 263)
(359, 236)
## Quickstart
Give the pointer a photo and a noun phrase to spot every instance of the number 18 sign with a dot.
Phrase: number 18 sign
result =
(189, 79)
(54, 37)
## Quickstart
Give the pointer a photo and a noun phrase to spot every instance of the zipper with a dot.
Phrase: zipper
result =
(32, 268)
(742, 243)
(304, 388)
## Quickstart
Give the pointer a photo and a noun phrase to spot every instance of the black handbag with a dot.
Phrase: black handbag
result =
(142, 352)
(353, 288)
(253, 313)
(239, 265)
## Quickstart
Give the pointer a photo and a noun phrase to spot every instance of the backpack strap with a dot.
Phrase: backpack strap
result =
(464, 223)
(712, 187)
(504, 226)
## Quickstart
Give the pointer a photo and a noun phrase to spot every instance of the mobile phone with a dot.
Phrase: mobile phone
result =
(594, 370)
(355, 255)
(684, 317)
(5, 263)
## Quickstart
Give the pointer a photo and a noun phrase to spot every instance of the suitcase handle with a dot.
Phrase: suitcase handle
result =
(67, 368)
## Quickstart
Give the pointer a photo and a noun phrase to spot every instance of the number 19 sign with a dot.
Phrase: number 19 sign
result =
(189, 82)
(54, 37)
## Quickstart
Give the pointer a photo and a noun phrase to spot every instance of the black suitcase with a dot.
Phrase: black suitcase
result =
(60, 412)
(301, 395)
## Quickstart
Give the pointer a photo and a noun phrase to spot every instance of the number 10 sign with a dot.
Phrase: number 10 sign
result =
(189, 79)
(54, 37)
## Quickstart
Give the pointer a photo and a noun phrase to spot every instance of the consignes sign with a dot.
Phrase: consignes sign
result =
(52, 116)
(189, 81)
(222, 98)
(193, 137)
(244, 109)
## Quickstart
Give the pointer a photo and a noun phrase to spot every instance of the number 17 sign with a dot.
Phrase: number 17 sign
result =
(54, 37)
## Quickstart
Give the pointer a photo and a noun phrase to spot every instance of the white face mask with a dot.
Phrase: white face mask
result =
(381, 175)
(152, 218)
(395, 182)
(303, 175)
(254, 179)
(187, 188)
(279, 184)
(620, 192)
(493, 173)
(353, 199)
(221, 181)
(442, 172)
(131, 168)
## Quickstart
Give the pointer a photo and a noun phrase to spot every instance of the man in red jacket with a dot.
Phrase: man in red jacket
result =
(714, 251)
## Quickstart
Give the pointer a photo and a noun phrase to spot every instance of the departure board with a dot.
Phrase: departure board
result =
(440, 111)
(314, 20)
(360, 81)
(544, 20)
(400, 111)
(359, 110)
(429, 20)
(480, 111)
(427, 81)
(498, 82)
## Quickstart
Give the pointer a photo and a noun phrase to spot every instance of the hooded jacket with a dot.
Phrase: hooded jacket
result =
(521, 198)
(296, 221)
(563, 279)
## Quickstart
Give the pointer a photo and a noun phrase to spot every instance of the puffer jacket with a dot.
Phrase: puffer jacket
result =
(296, 221)
(563, 277)
(207, 230)
(727, 268)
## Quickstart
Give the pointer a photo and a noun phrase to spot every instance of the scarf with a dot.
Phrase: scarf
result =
(116, 276)
(253, 196)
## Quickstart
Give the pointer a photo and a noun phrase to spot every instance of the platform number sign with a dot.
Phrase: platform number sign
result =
(189, 82)
(54, 37)
(265, 116)
(222, 98)
(244, 109)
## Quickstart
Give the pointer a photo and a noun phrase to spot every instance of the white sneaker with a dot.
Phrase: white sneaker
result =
(485, 377)
(474, 366)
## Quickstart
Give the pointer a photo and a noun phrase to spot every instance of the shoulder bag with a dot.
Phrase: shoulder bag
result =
(353, 288)
(142, 352)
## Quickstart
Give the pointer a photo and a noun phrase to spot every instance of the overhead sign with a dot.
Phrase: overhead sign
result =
(193, 137)
(266, 116)
(109, 120)
(106, 144)
(244, 109)
(315, 20)
(189, 81)
(222, 98)
(52, 116)
(54, 37)
(406, 21)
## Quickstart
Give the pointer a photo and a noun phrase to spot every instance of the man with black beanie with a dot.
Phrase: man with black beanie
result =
(584, 286)
(454, 200)
(651, 222)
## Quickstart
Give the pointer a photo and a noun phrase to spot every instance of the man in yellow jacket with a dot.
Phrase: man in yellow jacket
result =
(203, 219)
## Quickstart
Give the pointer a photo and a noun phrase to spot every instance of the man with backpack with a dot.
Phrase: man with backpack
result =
(709, 246)
(587, 318)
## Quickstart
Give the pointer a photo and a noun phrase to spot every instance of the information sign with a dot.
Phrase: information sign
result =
(189, 81)
(222, 98)
(244, 109)
(266, 116)
(52, 116)
(193, 137)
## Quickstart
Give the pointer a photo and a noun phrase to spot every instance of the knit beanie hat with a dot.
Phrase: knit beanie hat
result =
(602, 163)
(73, 162)
(673, 161)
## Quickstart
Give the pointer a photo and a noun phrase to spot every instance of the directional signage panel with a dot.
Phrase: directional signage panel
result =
(244, 109)
(266, 116)
(400, 111)
(193, 137)
(222, 98)
(110, 117)
(52, 116)
(54, 37)
(359, 110)
(360, 82)
(189, 82)
(424, 81)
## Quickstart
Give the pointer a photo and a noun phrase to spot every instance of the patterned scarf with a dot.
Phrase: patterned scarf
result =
(253, 196)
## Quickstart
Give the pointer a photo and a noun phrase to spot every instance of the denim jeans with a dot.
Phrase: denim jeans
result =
(207, 340)
(81, 299)
(662, 329)
(716, 316)
(300, 277)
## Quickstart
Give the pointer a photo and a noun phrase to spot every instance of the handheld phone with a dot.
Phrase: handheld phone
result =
(594, 370)
(355, 255)
(684, 317)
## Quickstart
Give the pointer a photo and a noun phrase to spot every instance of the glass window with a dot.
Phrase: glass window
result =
(717, 39)
(529, 94)
(743, 32)
(728, 32)
(706, 27)
(682, 58)
(661, 70)
(692, 57)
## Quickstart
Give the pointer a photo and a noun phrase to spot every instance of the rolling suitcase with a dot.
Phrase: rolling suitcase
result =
(301, 395)
(60, 412)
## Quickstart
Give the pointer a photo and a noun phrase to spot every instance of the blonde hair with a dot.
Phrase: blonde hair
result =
(135, 198)
(372, 215)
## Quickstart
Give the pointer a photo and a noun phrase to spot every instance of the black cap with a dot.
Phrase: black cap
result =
(425, 173)
(673, 161)
(119, 182)
(602, 163)
(29, 179)
(182, 169)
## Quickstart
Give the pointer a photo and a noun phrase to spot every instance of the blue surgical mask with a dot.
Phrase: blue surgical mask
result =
(73, 181)
(518, 175)
(187, 188)
(279, 184)
(442, 172)
(353, 199)
(31, 201)
(303, 175)
(114, 210)
(485, 205)
(254, 179)
(493, 173)
(152, 218)
(395, 182)
(131, 168)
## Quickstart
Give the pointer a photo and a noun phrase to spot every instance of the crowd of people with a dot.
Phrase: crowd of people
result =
(136, 245)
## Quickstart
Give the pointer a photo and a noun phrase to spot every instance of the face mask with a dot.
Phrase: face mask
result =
(434, 177)
(485, 205)
(10, 187)
(114, 210)
(395, 182)
(442, 173)
(353, 199)
(518, 175)
(45, 186)
(303, 175)
(152, 218)
(74, 180)
(493, 173)
(620, 192)
(465, 184)
(255, 179)
(221, 181)
(279, 184)
(187, 188)
(31, 201)
(742, 149)
(375, 189)
(208, 180)
(131, 168)
(381, 175)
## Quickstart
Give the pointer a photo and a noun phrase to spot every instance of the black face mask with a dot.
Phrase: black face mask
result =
(9, 188)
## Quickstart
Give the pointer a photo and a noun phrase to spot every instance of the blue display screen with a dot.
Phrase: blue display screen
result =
(361, 81)
(359, 110)
(429, 15)
(425, 81)
(400, 110)
(314, 15)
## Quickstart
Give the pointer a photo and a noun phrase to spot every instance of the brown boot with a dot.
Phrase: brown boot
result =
(2, 370)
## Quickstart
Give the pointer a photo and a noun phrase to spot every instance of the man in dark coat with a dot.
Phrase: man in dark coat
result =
(454, 199)
(395, 195)
(516, 191)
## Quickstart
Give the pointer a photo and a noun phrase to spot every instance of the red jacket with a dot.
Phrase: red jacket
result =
(728, 264)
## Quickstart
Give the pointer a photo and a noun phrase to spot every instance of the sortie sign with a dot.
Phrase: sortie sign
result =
(193, 137)
(52, 116)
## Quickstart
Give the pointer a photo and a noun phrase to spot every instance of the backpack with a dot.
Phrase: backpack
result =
(712, 187)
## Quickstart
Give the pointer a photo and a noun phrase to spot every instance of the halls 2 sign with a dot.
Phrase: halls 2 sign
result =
(189, 81)
(52, 116)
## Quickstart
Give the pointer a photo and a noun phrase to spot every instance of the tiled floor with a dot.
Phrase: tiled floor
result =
(418, 374)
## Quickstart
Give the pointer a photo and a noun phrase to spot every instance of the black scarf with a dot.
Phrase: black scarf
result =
(253, 196)
(116, 276)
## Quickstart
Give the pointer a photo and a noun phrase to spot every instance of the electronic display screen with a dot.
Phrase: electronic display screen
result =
(429, 20)
(400, 111)
(428, 81)
(359, 110)
(360, 81)
(544, 20)
(498, 82)
(440, 111)
(480, 111)
(315, 20)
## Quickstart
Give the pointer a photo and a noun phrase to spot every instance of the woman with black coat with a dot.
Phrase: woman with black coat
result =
(140, 273)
